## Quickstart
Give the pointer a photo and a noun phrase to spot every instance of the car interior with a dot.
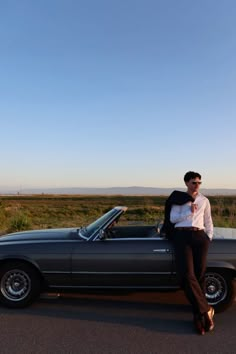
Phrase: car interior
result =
(134, 231)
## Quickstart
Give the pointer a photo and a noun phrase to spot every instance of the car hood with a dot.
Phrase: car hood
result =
(49, 234)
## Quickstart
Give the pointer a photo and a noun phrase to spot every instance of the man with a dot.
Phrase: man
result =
(193, 231)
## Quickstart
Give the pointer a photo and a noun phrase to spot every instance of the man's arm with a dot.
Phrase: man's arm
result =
(208, 220)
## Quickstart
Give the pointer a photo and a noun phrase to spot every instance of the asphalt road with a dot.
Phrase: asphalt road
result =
(134, 324)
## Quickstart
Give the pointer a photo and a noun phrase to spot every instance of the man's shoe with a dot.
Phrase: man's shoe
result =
(198, 321)
(208, 316)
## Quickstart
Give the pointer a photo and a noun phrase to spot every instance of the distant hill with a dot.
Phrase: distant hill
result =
(114, 191)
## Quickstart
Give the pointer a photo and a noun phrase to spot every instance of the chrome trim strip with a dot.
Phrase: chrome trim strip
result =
(121, 273)
(130, 239)
(114, 287)
(55, 272)
(87, 272)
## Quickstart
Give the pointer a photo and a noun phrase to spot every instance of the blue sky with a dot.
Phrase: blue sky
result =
(117, 93)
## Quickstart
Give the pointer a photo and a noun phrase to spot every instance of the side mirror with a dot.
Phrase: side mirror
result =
(102, 235)
(159, 226)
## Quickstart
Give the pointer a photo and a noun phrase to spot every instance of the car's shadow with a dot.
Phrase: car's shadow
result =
(155, 315)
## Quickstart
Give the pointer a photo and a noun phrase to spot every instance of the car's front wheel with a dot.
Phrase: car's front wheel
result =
(220, 289)
(19, 284)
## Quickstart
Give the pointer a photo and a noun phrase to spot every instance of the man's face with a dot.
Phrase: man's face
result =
(193, 185)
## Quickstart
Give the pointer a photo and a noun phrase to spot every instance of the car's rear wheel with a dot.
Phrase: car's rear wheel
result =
(19, 284)
(220, 289)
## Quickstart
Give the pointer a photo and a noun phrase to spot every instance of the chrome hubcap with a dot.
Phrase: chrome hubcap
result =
(211, 289)
(15, 285)
(216, 288)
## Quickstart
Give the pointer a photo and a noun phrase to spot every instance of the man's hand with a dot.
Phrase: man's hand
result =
(193, 207)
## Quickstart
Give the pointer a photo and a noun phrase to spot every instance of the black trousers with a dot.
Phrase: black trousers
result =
(191, 248)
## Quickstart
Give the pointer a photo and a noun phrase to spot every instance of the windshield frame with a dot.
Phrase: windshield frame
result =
(92, 229)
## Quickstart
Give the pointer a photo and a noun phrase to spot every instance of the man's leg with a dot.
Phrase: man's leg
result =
(200, 250)
(185, 268)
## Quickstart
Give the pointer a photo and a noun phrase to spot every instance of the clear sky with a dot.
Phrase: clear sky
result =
(104, 93)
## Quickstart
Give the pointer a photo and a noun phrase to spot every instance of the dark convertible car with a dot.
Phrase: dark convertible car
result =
(104, 257)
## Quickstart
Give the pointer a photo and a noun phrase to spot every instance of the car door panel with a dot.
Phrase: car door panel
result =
(119, 262)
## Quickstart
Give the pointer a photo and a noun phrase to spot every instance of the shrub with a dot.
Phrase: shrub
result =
(19, 222)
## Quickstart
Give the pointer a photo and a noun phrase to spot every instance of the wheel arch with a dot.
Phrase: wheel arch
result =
(224, 266)
(24, 260)
(220, 285)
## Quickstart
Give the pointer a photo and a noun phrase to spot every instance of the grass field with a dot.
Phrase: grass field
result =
(48, 211)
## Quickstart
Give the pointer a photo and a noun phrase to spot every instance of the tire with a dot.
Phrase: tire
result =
(19, 284)
(220, 289)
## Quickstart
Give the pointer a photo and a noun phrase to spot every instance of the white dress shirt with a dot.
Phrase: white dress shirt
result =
(182, 216)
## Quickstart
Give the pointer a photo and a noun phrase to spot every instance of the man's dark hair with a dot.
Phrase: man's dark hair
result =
(191, 175)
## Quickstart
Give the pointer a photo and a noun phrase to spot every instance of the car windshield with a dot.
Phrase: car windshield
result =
(88, 231)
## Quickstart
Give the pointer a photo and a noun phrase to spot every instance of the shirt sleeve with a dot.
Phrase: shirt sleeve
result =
(177, 214)
(208, 224)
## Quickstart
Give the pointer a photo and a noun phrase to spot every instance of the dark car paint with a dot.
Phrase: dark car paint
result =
(66, 261)
(41, 235)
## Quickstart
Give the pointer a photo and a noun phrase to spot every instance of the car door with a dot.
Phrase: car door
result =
(123, 263)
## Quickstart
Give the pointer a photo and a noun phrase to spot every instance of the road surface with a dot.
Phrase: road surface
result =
(132, 324)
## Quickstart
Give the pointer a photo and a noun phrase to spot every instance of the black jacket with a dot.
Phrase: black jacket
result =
(176, 197)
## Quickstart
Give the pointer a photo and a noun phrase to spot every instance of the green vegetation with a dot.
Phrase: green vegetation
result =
(48, 211)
